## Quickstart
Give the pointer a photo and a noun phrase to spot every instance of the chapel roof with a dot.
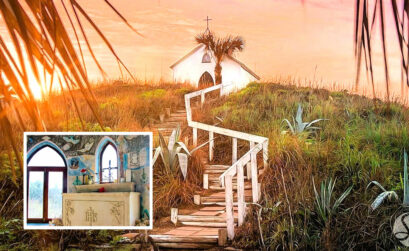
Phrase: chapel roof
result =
(230, 57)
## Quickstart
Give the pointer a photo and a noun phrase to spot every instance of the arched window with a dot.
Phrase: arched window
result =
(206, 58)
(47, 181)
(109, 164)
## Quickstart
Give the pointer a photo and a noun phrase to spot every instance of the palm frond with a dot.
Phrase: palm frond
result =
(42, 44)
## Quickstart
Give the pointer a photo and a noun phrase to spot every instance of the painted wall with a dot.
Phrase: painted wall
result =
(82, 152)
(191, 69)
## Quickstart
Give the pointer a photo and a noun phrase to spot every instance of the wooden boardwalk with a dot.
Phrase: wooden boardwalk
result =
(206, 227)
(228, 188)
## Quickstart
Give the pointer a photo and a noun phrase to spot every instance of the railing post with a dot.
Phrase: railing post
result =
(240, 194)
(265, 154)
(194, 136)
(205, 181)
(202, 99)
(211, 145)
(254, 178)
(228, 180)
(188, 110)
(234, 150)
(249, 163)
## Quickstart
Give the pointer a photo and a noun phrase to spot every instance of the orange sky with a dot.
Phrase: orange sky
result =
(283, 37)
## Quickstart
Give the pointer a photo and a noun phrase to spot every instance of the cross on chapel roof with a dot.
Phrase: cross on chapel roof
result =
(207, 22)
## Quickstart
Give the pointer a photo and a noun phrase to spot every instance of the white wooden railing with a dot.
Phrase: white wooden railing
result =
(249, 159)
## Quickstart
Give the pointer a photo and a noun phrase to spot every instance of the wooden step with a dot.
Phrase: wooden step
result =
(201, 218)
(204, 224)
(215, 171)
(204, 200)
(163, 238)
(176, 119)
(215, 178)
(167, 125)
(178, 115)
(208, 166)
(185, 242)
(220, 188)
(212, 203)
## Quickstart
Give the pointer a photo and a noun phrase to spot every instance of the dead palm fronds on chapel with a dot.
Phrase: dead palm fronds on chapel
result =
(368, 14)
(41, 47)
(220, 48)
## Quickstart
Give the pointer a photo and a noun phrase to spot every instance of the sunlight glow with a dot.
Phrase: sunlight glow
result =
(35, 87)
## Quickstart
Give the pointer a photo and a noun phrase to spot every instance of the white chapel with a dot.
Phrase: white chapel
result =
(197, 68)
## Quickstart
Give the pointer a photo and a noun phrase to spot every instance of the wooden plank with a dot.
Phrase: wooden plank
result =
(163, 238)
(194, 137)
(222, 238)
(206, 181)
(198, 93)
(234, 150)
(249, 163)
(217, 166)
(202, 99)
(203, 224)
(211, 145)
(227, 132)
(229, 206)
(265, 154)
(201, 218)
(174, 215)
(240, 194)
(196, 199)
(244, 159)
(254, 182)
(188, 109)
(176, 245)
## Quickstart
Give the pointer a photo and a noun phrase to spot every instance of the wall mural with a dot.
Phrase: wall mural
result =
(80, 151)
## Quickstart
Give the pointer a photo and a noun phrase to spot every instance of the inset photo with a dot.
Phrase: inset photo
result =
(88, 180)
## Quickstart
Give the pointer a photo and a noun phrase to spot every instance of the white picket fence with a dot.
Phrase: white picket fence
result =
(257, 145)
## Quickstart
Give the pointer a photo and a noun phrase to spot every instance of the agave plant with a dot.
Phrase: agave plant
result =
(392, 194)
(324, 205)
(174, 153)
(299, 126)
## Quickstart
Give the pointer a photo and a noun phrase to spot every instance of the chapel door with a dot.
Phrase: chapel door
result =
(205, 81)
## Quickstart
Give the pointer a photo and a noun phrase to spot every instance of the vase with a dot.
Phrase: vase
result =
(77, 181)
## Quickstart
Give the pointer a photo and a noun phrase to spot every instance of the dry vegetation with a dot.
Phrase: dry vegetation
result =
(124, 106)
(360, 142)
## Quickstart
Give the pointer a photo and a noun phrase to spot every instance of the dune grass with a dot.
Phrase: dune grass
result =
(123, 106)
(359, 142)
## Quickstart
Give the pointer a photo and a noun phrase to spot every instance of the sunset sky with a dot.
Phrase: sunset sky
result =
(283, 38)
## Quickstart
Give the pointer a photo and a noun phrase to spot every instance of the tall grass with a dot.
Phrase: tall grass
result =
(360, 142)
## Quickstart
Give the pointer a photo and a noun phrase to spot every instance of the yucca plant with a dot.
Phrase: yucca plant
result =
(390, 195)
(299, 126)
(174, 153)
(324, 203)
